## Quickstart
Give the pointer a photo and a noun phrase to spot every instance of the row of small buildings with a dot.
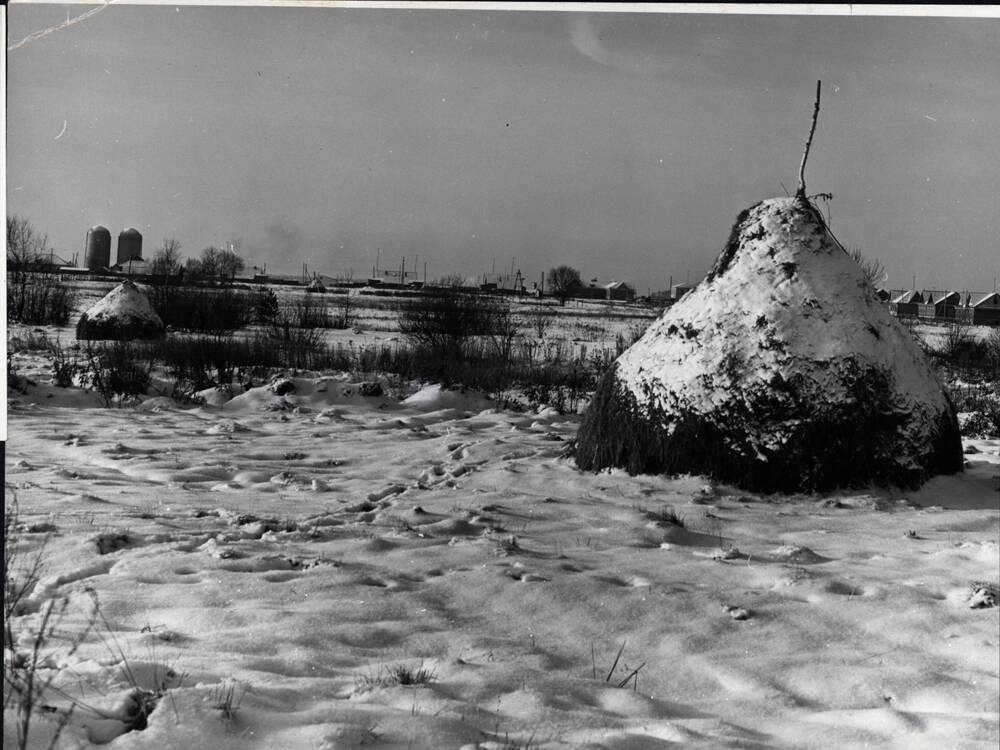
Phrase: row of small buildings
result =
(964, 307)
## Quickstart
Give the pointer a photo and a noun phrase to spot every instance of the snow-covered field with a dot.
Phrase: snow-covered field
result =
(311, 548)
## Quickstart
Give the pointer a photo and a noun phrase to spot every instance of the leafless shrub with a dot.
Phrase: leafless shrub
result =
(35, 294)
(872, 268)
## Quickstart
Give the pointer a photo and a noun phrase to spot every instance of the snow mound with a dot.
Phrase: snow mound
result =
(781, 371)
(124, 313)
(440, 397)
(302, 394)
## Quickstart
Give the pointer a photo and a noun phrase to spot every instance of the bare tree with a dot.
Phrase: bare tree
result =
(872, 268)
(35, 295)
(210, 261)
(206, 266)
(563, 281)
(229, 263)
(26, 249)
(167, 260)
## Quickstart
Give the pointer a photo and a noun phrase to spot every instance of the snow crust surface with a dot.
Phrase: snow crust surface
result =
(304, 545)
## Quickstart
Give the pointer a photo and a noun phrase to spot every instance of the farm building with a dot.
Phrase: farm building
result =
(619, 290)
(940, 305)
(907, 303)
(883, 295)
(679, 290)
(615, 290)
(38, 262)
(985, 312)
(134, 267)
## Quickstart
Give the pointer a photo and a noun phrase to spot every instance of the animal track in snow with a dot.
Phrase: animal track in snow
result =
(518, 573)
(392, 489)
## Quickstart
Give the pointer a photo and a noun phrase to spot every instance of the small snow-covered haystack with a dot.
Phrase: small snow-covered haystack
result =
(780, 372)
(123, 313)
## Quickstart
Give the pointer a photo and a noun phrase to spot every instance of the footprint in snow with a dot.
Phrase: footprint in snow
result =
(523, 576)
(799, 555)
(737, 613)
(842, 588)
(392, 489)
(458, 451)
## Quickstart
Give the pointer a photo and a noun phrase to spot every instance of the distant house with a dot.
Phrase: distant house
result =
(907, 304)
(615, 290)
(591, 290)
(986, 312)
(133, 267)
(935, 303)
(883, 295)
(316, 286)
(679, 290)
(39, 262)
(619, 290)
(946, 304)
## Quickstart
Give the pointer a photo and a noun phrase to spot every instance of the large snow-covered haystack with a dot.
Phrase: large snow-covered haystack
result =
(123, 313)
(781, 371)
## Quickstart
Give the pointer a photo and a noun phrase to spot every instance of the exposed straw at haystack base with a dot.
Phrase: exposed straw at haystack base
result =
(779, 372)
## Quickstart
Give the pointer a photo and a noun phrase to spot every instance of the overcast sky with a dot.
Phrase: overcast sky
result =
(622, 144)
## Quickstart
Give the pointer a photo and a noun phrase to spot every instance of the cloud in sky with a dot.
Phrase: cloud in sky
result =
(585, 32)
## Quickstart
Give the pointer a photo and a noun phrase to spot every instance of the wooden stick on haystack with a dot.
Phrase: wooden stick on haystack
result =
(801, 192)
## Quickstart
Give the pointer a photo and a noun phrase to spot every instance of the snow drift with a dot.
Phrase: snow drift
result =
(123, 313)
(781, 371)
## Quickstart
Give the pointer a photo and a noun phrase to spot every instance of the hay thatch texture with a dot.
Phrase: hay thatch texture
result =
(781, 371)
(123, 314)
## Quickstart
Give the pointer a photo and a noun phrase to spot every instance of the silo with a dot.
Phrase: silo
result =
(129, 245)
(98, 253)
